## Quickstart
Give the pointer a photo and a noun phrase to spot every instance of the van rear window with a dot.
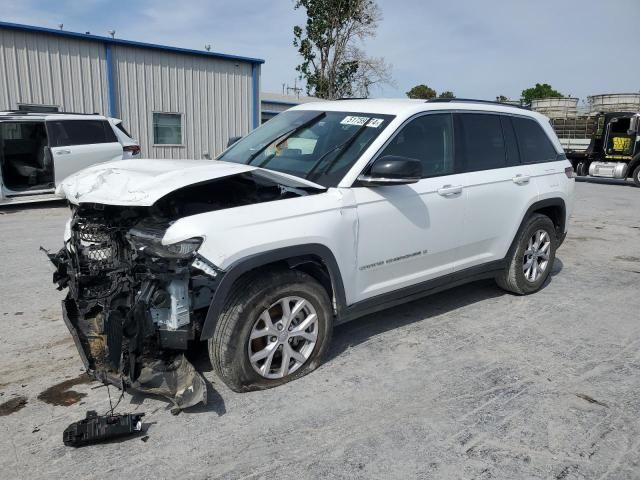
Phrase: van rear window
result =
(64, 133)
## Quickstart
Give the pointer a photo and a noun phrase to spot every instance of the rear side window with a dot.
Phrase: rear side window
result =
(80, 132)
(428, 138)
(480, 144)
(533, 143)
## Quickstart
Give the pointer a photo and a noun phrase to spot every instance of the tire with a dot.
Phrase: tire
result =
(253, 295)
(514, 278)
(636, 176)
(582, 169)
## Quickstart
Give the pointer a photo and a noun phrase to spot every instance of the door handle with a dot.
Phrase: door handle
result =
(449, 190)
(521, 179)
(63, 152)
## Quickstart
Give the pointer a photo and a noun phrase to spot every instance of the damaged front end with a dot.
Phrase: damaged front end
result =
(134, 304)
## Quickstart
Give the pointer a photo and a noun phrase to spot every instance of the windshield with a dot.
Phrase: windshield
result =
(318, 146)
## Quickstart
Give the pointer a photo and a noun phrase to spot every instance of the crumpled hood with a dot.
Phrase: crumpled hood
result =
(143, 182)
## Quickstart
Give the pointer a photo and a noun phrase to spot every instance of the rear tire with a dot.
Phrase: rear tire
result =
(582, 169)
(636, 176)
(254, 323)
(531, 257)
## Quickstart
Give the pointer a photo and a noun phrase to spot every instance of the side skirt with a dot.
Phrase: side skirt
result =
(414, 292)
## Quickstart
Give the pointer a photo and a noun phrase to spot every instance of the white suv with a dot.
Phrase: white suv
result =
(328, 212)
(38, 150)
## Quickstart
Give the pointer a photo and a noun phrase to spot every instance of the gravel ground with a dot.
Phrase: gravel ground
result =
(469, 383)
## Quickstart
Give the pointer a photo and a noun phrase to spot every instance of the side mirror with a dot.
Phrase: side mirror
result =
(392, 170)
(232, 140)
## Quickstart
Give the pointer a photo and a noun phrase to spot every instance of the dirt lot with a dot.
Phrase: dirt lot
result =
(470, 383)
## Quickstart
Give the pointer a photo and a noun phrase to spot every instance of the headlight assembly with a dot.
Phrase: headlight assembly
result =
(184, 249)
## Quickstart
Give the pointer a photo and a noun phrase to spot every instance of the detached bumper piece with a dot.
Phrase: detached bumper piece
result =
(99, 428)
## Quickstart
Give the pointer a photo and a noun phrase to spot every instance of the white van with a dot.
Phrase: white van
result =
(38, 150)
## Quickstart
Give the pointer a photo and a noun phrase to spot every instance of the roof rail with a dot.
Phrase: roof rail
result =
(474, 100)
(32, 112)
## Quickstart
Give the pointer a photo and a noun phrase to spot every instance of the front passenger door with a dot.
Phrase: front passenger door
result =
(407, 234)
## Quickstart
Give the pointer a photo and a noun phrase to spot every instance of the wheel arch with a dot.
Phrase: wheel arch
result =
(633, 164)
(314, 259)
(555, 208)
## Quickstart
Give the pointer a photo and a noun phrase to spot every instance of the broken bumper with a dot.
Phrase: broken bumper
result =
(171, 376)
(134, 307)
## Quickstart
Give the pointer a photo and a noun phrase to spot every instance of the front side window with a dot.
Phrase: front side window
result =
(167, 128)
(63, 133)
(533, 143)
(428, 138)
(316, 145)
(480, 144)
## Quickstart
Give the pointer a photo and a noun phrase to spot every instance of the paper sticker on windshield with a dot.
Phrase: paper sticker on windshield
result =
(375, 122)
(350, 120)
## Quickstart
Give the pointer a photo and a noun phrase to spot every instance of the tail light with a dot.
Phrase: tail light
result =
(569, 172)
(134, 149)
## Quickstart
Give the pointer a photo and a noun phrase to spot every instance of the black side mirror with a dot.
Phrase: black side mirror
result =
(232, 140)
(392, 170)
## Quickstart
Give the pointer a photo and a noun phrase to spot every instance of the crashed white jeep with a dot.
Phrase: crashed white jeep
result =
(327, 212)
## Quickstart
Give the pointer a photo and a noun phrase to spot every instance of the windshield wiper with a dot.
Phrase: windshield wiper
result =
(282, 138)
(340, 147)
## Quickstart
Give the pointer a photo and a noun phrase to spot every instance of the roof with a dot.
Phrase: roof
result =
(127, 43)
(17, 114)
(406, 106)
(291, 100)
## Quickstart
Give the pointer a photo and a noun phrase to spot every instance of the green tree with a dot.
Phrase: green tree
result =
(543, 90)
(447, 94)
(502, 99)
(334, 64)
(422, 91)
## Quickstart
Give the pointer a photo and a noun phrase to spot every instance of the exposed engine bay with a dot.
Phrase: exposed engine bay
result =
(134, 306)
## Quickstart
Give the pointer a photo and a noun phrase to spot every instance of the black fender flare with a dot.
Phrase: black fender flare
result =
(539, 205)
(244, 265)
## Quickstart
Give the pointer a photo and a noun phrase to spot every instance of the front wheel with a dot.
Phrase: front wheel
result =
(275, 327)
(531, 258)
(636, 176)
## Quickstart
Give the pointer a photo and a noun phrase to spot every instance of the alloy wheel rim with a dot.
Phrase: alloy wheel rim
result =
(536, 256)
(283, 337)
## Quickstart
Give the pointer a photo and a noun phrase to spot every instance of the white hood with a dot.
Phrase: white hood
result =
(144, 182)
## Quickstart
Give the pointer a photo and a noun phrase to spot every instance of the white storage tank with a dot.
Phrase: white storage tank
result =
(559, 107)
(615, 102)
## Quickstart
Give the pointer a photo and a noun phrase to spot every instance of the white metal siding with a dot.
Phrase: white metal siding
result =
(40, 68)
(214, 97)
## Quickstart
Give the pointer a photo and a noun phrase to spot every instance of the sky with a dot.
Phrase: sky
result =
(475, 48)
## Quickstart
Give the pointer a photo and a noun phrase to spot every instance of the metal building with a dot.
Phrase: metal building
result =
(274, 103)
(178, 103)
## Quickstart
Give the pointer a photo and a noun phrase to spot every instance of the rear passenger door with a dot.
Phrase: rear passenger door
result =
(76, 144)
(499, 187)
(546, 166)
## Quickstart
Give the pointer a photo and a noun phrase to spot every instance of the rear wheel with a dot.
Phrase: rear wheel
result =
(636, 176)
(582, 169)
(275, 327)
(531, 258)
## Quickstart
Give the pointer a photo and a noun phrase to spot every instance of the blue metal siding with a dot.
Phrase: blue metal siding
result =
(111, 91)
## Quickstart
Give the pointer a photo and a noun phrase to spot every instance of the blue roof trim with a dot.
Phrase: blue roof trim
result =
(127, 43)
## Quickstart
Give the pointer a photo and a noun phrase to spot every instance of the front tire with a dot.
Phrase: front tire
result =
(531, 258)
(275, 327)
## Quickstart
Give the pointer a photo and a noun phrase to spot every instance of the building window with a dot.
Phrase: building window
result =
(33, 107)
(167, 128)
